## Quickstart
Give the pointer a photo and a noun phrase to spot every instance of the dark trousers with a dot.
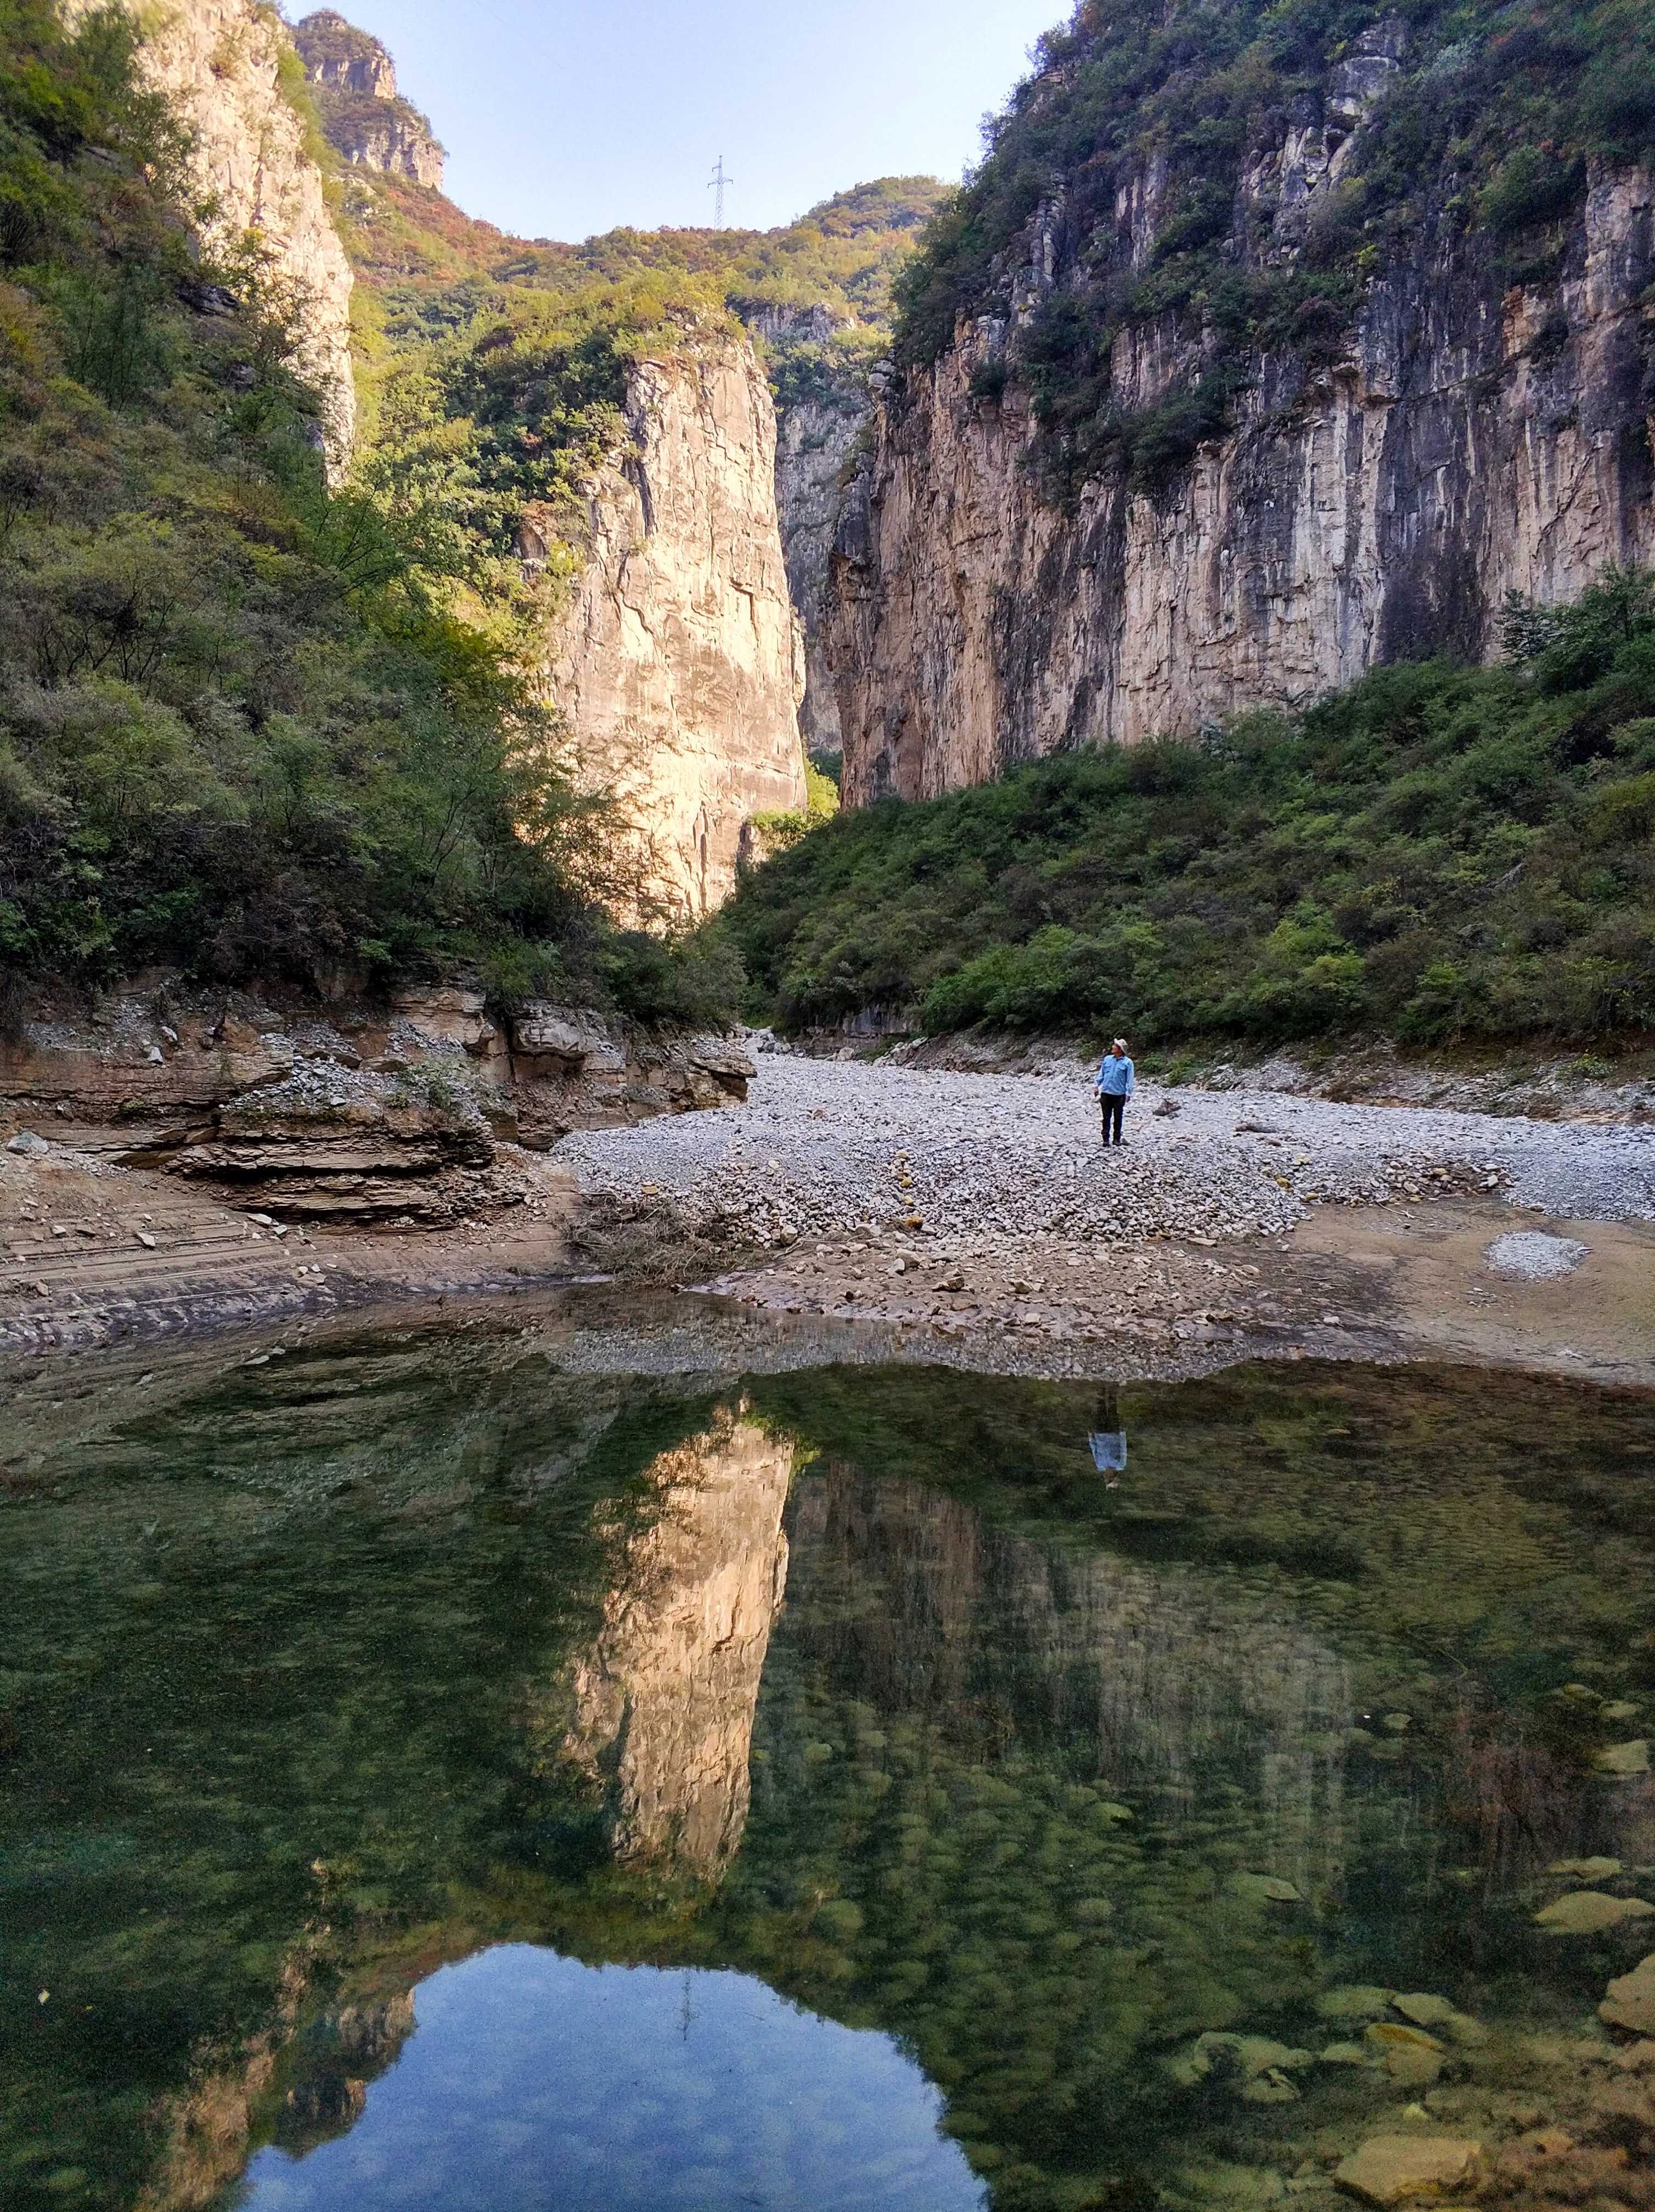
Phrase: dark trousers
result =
(1114, 1106)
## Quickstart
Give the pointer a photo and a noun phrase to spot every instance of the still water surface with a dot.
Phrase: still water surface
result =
(457, 1768)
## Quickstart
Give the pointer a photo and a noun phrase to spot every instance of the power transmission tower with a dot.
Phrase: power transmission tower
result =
(715, 185)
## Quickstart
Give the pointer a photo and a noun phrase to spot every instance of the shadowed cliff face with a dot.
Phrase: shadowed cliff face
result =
(219, 61)
(664, 1702)
(1467, 440)
(677, 660)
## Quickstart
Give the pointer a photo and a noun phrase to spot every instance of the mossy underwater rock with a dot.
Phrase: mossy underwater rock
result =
(1590, 1912)
(1629, 2001)
(1411, 2058)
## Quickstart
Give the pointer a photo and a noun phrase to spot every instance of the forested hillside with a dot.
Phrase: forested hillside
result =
(1438, 854)
(249, 726)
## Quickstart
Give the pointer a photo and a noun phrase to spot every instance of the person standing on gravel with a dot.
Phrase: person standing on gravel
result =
(1116, 1081)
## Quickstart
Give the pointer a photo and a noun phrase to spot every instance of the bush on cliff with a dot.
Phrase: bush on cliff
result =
(1438, 852)
(248, 726)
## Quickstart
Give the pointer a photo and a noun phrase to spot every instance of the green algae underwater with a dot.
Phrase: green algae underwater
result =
(1114, 1805)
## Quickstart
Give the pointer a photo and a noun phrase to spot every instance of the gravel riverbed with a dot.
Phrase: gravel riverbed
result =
(825, 1146)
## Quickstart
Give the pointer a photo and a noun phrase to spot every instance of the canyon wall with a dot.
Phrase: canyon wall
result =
(1471, 436)
(677, 659)
(818, 427)
(354, 82)
(221, 62)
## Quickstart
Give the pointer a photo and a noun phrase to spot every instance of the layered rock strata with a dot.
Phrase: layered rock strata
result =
(1469, 438)
(676, 659)
(368, 1116)
(219, 63)
(354, 80)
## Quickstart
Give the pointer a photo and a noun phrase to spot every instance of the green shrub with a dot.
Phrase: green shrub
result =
(1438, 852)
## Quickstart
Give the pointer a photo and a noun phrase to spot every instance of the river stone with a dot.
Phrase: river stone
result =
(1621, 1759)
(1343, 2054)
(1590, 1911)
(1409, 2169)
(1587, 1870)
(1411, 2058)
(1354, 2001)
(1255, 2058)
(1629, 2001)
(1425, 2011)
(1263, 1889)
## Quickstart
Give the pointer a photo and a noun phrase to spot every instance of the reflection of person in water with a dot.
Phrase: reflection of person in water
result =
(1108, 1438)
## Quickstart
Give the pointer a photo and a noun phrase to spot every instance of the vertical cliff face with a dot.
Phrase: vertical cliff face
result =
(819, 420)
(664, 1703)
(1463, 421)
(220, 62)
(677, 659)
(354, 80)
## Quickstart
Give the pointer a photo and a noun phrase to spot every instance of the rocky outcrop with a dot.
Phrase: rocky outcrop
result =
(1468, 438)
(664, 1703)
(820, 420)
(220, 62)
(675, 660)
(384, 1115)
(354, 82)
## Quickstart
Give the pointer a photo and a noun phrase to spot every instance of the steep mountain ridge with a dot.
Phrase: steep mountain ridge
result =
(225, 65)
(1259, 350)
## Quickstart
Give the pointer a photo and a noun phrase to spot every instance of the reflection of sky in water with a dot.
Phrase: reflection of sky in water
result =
(532, 2081)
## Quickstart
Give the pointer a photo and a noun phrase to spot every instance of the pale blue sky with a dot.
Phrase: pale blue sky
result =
(566, 118)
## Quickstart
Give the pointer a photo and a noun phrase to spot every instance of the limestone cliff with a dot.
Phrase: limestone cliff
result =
(819, 425)
(221, 63)
(1474, 424)
(664, 1703)
(354, 82)
(676, 659)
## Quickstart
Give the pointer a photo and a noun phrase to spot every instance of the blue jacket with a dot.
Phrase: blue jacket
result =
(1116, 1077)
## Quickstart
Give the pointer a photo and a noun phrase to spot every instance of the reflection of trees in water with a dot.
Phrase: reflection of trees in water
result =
(1146, 1679)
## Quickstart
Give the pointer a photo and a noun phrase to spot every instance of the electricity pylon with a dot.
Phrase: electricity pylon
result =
(715, 185)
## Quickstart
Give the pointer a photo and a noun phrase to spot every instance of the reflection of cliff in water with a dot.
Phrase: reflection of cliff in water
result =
(1155, 1680)
(664, 1700)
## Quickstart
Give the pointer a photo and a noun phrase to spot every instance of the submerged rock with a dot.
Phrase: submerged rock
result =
(1411, 2057)
(1590, 1911)
(1257, 2065)
(1624, 1758)
(1354, 2001)
(1587, 1870)
(1409, 2169)
(1629, 2001)
(1263, 1889)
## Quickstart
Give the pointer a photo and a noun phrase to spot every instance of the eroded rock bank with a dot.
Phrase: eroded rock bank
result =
(403, 1115)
